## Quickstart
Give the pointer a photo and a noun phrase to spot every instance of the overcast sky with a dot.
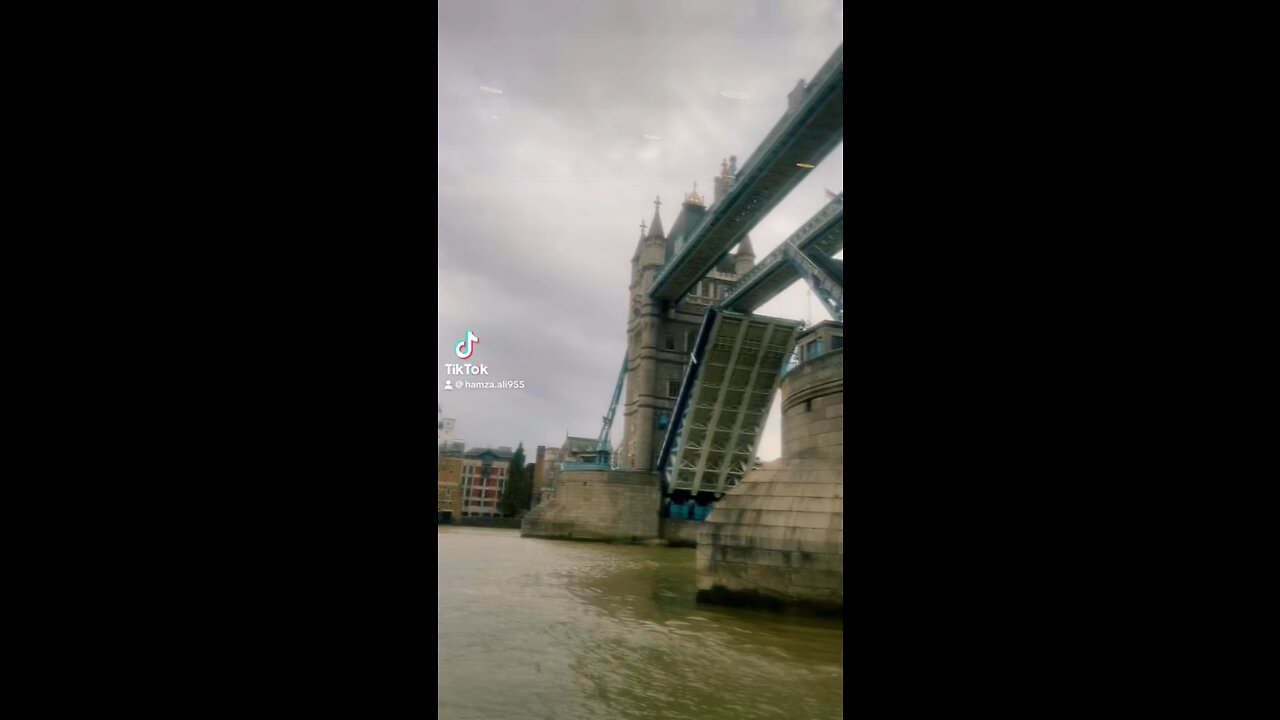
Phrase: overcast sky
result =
(542, 188)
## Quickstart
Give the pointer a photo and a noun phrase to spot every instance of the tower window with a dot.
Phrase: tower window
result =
(673, 388)
(671, 342)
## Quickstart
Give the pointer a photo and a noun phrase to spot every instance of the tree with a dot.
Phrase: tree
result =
(516, 491)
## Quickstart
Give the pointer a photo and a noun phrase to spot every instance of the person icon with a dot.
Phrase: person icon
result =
(448, 384)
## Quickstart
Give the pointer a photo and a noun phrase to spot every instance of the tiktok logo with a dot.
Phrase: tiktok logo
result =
(464, 347)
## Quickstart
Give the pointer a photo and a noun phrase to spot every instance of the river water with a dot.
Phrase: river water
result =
(530, 628)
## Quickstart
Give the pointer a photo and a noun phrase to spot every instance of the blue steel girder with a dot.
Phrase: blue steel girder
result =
(822, 235)
(806, 133)
(602, 445)
(825, 278)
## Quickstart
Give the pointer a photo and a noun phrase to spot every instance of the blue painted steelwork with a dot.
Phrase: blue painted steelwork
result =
(821, 236)
(670, 440)
(807, 132)
(584, 466)
(724, 400)
(602, 447)
(822, 280)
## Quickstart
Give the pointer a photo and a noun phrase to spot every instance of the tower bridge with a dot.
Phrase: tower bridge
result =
(702, 369)
(808, 131)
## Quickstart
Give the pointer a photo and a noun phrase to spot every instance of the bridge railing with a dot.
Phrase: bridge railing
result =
(573, 467)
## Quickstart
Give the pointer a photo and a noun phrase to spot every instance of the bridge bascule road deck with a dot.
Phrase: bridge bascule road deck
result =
(724, 399)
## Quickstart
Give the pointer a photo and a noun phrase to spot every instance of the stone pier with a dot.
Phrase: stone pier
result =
(777, 540)
(609, 505)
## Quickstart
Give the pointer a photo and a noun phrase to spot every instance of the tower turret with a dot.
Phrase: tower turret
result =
(653, 248)
(724, 179)
(745, 258)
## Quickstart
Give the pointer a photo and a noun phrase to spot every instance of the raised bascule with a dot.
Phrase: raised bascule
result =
(702, 369)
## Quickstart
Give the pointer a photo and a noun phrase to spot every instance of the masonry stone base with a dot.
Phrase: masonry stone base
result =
(777, 539)
(598, 505)
(680, 533)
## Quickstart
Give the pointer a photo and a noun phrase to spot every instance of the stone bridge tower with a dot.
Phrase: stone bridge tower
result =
(660, 336)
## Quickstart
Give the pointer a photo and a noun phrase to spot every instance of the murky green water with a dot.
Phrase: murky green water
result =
(549, 629)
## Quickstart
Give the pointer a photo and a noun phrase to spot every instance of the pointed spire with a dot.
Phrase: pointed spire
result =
(655, 227)
(744, 248)
(640, 244)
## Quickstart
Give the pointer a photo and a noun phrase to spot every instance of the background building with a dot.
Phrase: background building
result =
(545, 467)
(448, 487)
(483, 478)
(448, 470)
(444, 429)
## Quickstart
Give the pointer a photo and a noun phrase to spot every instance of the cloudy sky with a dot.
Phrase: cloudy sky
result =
(545, 173)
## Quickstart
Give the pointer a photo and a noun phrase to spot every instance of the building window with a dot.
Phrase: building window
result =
(671, 342)
(673, 388)
(811, 350)
(689, 339)
(837, 341)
